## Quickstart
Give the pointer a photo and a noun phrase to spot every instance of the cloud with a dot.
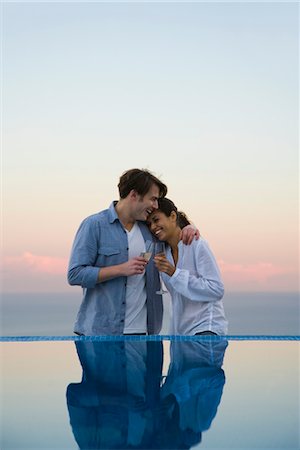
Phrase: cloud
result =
(36, 263)
(259, 275)
(41, 272)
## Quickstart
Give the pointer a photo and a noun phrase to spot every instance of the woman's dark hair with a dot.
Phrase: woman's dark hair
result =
(166, 206)
(141, 181)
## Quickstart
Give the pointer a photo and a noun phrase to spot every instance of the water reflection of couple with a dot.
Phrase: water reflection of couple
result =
(122, 402)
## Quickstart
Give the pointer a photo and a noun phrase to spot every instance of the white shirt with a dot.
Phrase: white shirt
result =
(196, 290)
(136, 296)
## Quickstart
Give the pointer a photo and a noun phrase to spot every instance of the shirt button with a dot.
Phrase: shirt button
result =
(122, 320)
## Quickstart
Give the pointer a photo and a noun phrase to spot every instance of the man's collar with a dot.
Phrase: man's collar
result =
(113, 216)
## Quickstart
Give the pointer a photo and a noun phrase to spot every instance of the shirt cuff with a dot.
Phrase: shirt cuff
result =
(175, 274)
(173, 280)
(90, 278)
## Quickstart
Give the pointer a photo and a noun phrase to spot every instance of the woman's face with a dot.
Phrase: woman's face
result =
(161, 225)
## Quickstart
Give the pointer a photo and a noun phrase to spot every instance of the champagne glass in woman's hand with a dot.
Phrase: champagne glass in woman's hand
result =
(160, 250)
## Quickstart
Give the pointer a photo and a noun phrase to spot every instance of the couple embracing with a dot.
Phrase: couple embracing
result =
(120, 286)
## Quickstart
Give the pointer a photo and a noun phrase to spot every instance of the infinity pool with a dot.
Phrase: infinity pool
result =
(144, 394)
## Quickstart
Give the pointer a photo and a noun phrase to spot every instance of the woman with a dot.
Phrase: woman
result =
(190, 274)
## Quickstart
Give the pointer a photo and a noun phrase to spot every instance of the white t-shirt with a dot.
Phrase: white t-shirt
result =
(136, 310)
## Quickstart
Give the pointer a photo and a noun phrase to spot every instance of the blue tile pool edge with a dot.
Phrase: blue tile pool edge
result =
(150, 338)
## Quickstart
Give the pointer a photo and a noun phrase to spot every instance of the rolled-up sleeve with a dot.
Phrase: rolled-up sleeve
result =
(207, 285)
(82, 270)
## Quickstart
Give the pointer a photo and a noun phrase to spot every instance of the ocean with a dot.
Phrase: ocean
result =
(263, 313)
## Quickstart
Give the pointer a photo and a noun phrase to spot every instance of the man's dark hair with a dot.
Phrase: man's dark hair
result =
(141, 181)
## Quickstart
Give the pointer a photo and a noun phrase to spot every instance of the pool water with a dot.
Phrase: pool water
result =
(142, 394)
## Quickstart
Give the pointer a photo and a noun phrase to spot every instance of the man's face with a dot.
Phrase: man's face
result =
(146, 205)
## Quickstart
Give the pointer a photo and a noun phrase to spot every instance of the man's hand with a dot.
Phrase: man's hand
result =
(164, 265)
(188, 233)
(134, 266)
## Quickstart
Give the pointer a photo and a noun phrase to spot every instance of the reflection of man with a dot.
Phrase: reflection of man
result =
(114, 405)
(119, 286)
(192, 391)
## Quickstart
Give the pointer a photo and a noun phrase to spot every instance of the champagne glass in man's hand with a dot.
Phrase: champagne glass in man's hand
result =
(149, 247)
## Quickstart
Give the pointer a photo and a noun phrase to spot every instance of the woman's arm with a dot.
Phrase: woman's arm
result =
(206, 286)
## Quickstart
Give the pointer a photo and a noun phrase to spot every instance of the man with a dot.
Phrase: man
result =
(119, 286)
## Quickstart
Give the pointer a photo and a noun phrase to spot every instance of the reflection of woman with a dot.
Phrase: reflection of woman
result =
(190, 274)
(192, 391)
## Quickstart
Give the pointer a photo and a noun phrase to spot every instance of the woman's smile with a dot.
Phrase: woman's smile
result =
(159, 225)
(159, 232)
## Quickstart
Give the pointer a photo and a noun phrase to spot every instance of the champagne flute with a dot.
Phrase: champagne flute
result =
(160, 249)
(149, 247)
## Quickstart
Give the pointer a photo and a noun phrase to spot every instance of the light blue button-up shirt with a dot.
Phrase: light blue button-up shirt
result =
(101, 241)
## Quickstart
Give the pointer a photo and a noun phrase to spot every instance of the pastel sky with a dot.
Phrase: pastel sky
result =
(205, 95)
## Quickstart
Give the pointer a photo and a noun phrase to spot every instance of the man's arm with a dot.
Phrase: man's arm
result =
(82, 270)
(134, 266)
(188, 233)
